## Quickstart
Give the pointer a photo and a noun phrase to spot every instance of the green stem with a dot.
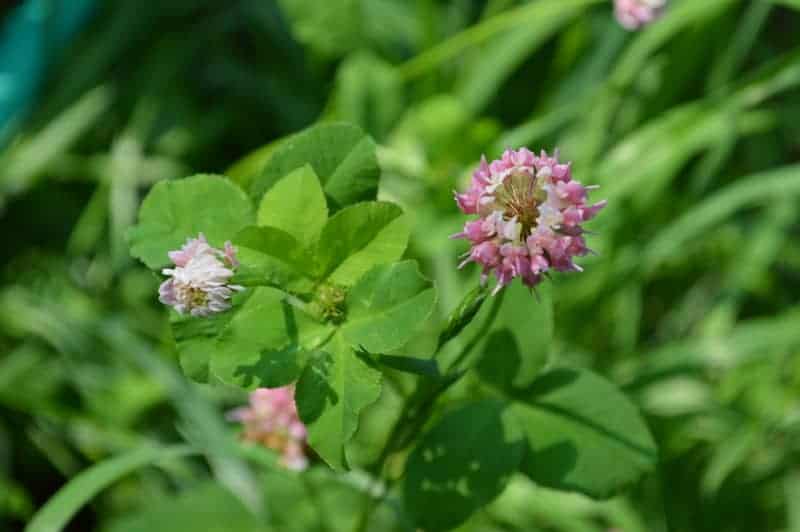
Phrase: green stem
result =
(481, 334)
(366, 513)
(419, 407)
(313, 495)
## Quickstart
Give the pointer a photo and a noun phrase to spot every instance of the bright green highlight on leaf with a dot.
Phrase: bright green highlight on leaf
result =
(174, 211)
(295, 204)
(387, 307)
(342, 156)
(359, 237)
(196, 339)
(272, 257)
(384, 311)
(296, 240)
(335, 387)
(264, 343)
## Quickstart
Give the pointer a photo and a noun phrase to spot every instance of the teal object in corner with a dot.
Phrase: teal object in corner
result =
(31, 37)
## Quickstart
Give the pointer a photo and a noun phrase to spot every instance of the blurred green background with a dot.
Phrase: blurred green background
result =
(691, 127)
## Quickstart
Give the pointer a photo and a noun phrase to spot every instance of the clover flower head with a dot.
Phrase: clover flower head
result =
(271, 420)
(634, 14)
(530, 212)
(199, 284)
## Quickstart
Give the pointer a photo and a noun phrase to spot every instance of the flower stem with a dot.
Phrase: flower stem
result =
(481, 334)
(419, 407)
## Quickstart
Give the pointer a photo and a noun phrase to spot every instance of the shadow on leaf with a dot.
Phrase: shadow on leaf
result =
(275, 367)
(462, 464)
(314, 390)
(501, 360)
(552, 463)
(562, 377)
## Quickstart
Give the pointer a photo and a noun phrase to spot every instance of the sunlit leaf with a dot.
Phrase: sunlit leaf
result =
(387, 306)
(358, 238)
(176, 210)
(342, 156)
(272, 257)
(195, 341)
(295, 204)
(333, 389)
(265, 343)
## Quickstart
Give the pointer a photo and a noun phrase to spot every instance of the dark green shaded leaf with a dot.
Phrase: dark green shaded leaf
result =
(583, 434)
(501, 360)
(519, 343)
(462, 464)
(424, 367)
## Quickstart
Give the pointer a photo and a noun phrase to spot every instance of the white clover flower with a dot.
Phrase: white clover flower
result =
(199, 284)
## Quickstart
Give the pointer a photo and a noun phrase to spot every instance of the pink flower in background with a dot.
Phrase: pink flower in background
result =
(271, 420)
(530, 212)
(633, 14)
(199, 282)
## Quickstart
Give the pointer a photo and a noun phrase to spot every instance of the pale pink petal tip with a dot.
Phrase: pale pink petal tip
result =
(271, 420)
(199, 284)
(529, 215)
(635, 14)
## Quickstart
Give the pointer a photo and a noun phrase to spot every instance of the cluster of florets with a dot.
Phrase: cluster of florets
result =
(633, 14)
(271, 420)
(199, 284)
(530, 212)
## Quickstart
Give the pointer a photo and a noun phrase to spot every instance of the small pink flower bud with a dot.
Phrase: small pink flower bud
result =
(634, 14)
(271, 420)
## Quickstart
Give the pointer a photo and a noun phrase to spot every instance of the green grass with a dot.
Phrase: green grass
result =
(690, 127)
